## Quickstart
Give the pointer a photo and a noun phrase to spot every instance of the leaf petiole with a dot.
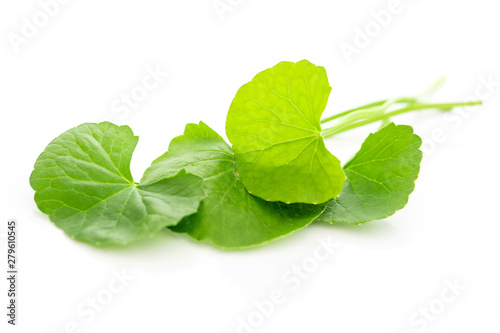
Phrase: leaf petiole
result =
(343, 126)
(386, 103)
(376, 111)
(339, 115)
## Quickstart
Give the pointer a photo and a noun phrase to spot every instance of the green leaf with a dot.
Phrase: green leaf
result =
(229, 216)
(83, 182)
(274, 126)
(380, 177)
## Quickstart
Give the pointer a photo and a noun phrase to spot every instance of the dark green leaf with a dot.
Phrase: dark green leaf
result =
(229, 216)
(83, 182)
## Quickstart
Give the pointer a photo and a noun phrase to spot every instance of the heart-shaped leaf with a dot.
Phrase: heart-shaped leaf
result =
(380, 177)
(83, 182)
(229, 216)
(274, 126)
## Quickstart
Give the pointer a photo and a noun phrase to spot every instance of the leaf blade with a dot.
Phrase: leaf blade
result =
(83, 182)
(274, 126)
(380, 177)
(229, 217)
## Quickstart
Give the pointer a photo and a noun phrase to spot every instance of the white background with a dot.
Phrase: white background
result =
(90, 52)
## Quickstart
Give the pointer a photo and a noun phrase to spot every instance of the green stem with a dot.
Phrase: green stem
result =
(382, 106)
(342, 127)
(368, 113)
(338, 115)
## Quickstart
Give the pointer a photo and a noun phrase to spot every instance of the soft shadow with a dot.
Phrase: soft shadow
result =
(166, 252)
(375, 235)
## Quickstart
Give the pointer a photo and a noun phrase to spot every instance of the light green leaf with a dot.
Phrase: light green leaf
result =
(274, 126)
(229, 216)
(380, 177)
(83, 182)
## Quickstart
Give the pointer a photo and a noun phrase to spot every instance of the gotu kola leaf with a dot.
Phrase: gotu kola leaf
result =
(229, 216)
(83, 182)
(380, 177)
(274, 126)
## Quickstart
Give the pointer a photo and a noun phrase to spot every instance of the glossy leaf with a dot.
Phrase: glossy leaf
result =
(83, 182)
(380, 177)
(229, 216)
(274, 126)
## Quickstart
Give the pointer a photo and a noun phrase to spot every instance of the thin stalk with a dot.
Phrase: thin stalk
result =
(338, 115)
(369, 113)
(345, 127)
(378, 106)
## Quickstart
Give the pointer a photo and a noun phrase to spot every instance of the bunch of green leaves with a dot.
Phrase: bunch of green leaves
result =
(277, 177)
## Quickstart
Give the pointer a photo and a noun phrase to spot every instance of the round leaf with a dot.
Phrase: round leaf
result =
(83, 182)
(274, 126)
(229, 216)
(380, 177)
